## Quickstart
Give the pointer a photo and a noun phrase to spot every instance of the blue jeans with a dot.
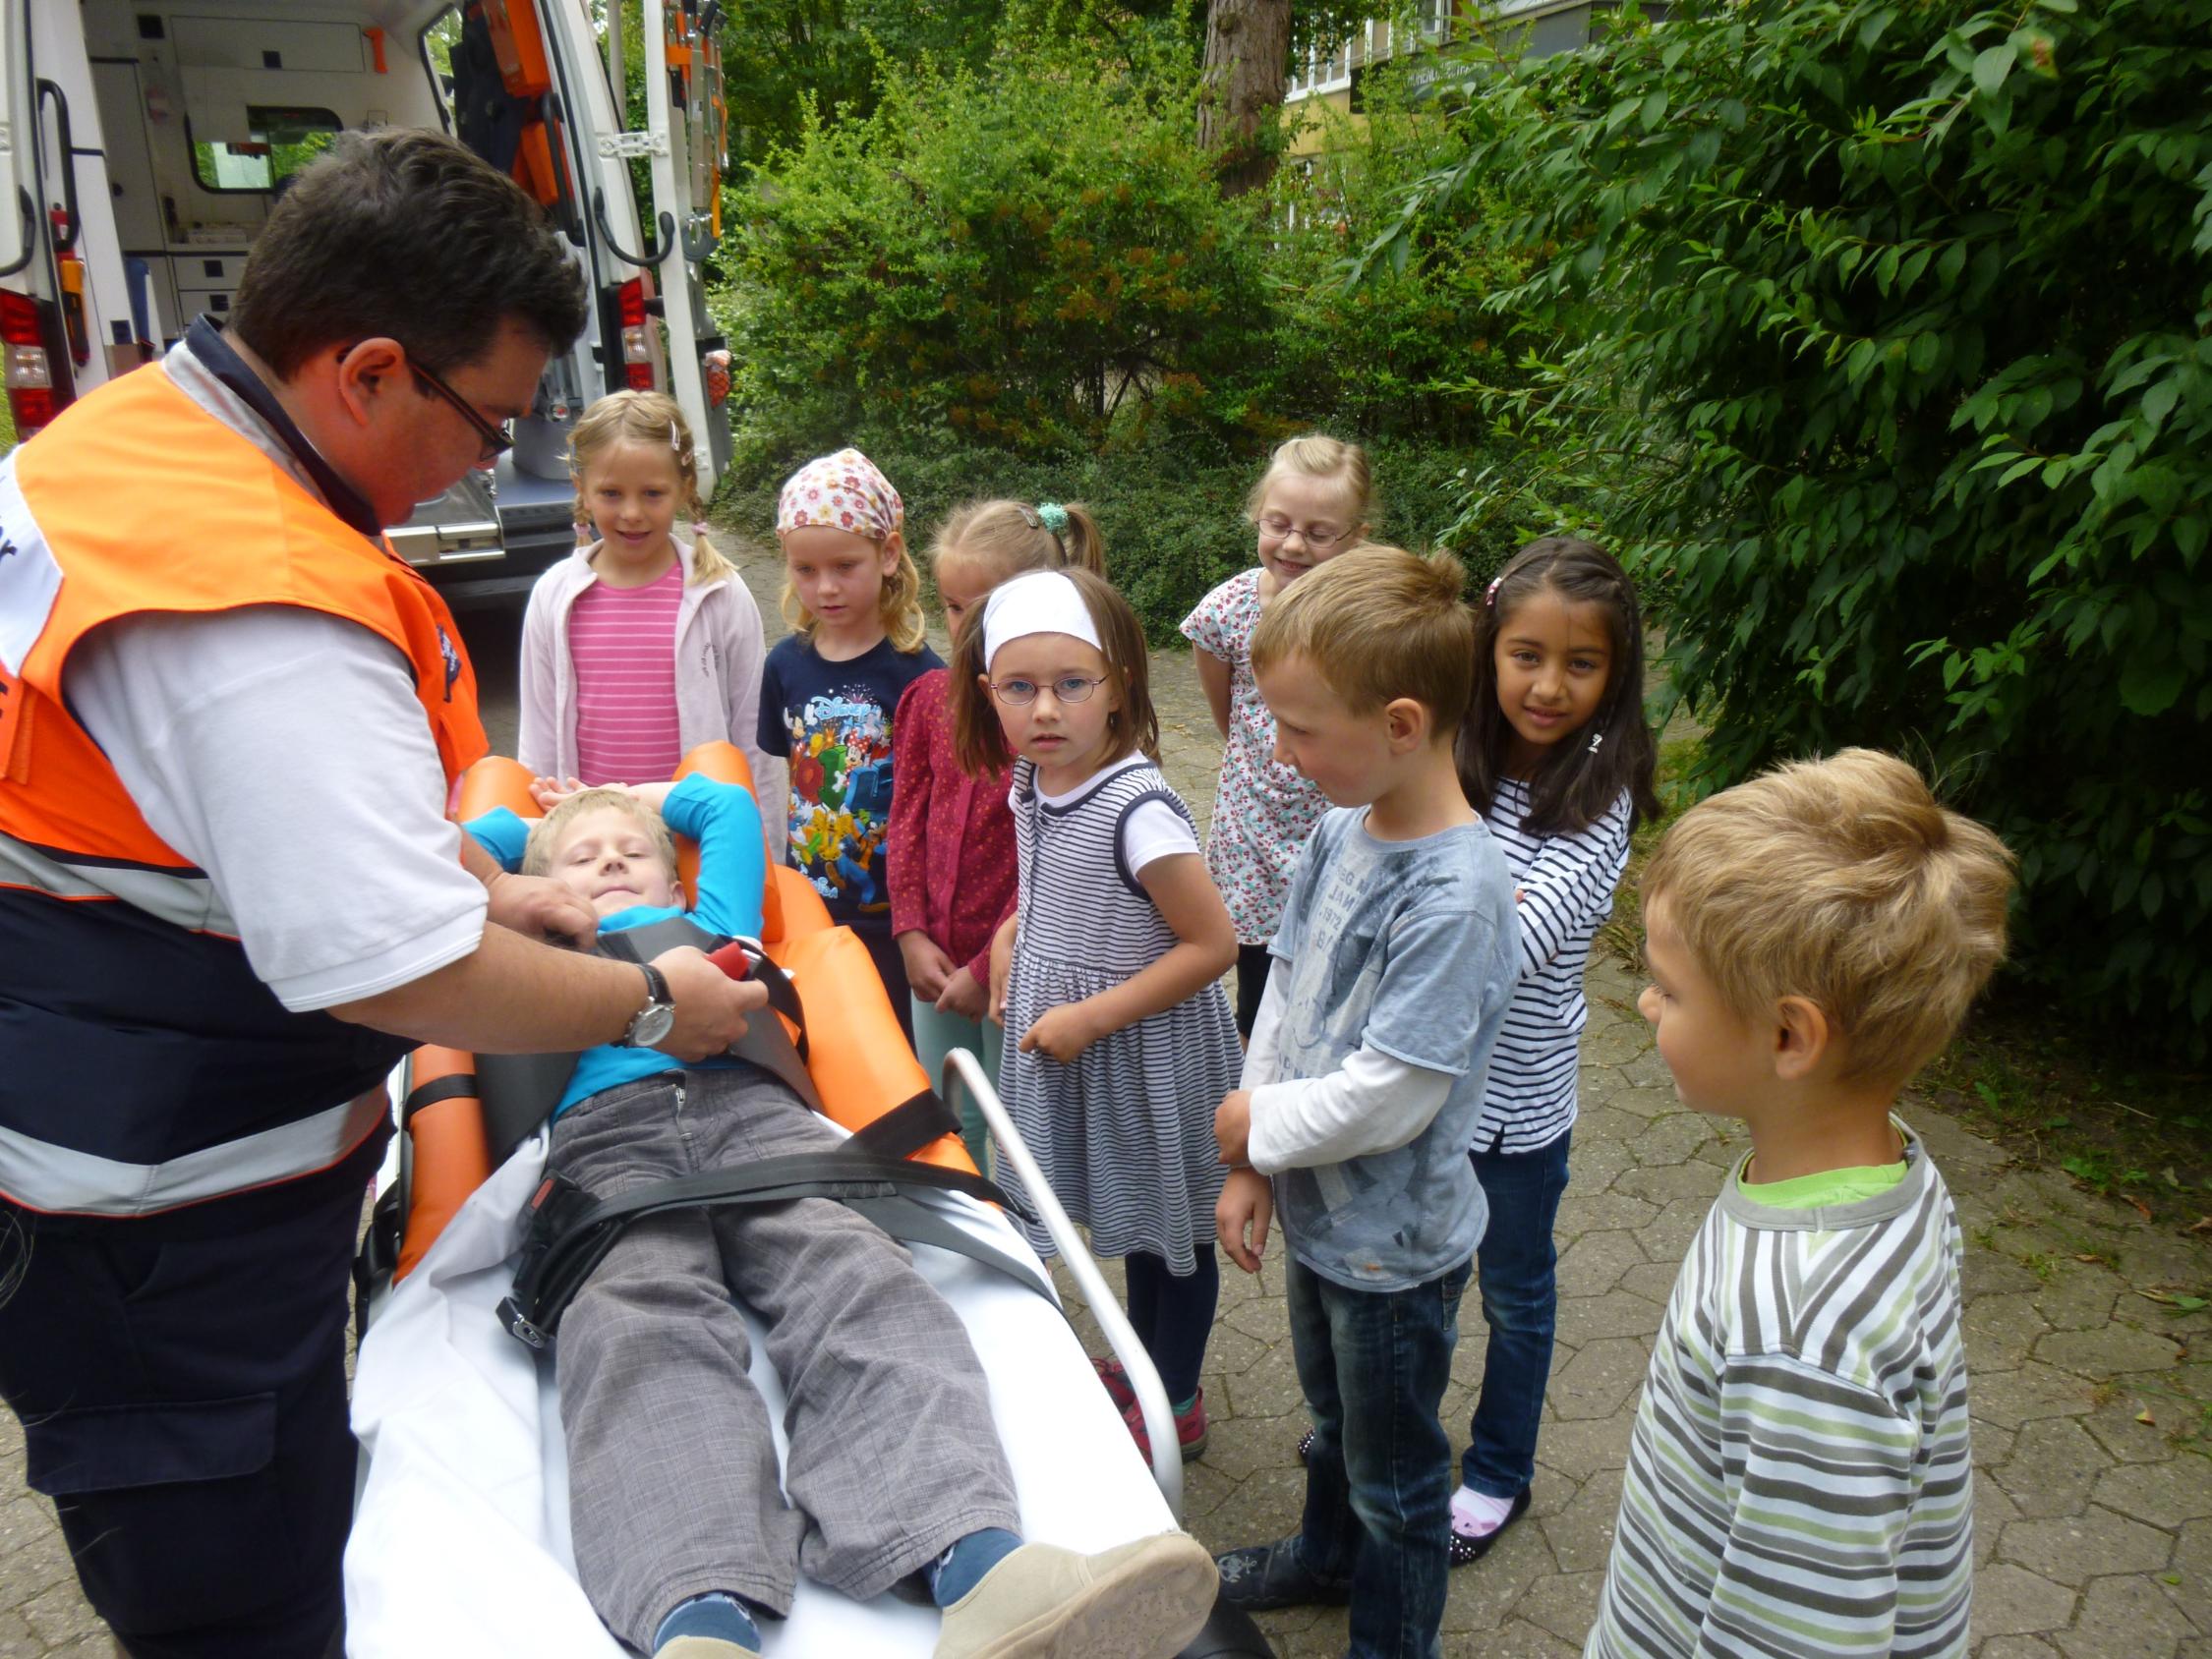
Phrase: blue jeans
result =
(1517, 1266)
(1378, 1488)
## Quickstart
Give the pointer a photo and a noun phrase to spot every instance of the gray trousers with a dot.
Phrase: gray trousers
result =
(672, 1486)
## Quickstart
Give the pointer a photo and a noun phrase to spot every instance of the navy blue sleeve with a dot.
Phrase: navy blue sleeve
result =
(773, 735)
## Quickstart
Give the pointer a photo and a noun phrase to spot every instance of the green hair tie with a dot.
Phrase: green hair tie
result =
(1054, 517)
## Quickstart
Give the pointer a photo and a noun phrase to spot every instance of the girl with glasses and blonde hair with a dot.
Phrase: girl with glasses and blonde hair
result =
(1314, 501)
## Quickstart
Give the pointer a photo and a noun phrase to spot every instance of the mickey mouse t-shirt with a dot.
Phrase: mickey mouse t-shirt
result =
(833, 719)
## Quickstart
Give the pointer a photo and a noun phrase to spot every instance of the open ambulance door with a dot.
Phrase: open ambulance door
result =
(683, 93)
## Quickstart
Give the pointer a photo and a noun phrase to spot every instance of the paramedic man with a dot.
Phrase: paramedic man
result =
(226, 877)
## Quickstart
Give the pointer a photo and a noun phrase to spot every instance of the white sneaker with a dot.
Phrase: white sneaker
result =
(1142, 1600)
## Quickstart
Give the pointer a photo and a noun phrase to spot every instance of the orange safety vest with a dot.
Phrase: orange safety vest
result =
(140, 500)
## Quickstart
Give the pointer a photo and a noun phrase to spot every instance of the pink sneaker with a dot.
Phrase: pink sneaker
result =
(1116, 1381)
(1189, 1428)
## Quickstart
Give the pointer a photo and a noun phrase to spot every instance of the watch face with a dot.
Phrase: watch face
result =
(652, 1023)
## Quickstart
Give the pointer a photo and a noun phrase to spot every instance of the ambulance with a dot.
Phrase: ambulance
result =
(142, 141)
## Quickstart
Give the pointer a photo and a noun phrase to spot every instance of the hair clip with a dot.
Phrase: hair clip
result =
(1490, 593)
(1596, 738)
(1054, 518)
(676, 439)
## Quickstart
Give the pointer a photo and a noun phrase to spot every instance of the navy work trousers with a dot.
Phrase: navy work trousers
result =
(181, 1381)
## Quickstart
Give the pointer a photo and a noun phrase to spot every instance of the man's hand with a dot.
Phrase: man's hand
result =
(1063, 1033)
(1232, 1127)
(963, 995)
(709, 1006)
(928, 967)
(542, 910)
(1242, 1213)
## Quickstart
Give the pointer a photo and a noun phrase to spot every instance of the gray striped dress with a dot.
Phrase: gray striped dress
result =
(1800, 1480)
(1123, 1134)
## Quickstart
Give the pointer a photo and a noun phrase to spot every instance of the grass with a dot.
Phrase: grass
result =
(2054, 1091)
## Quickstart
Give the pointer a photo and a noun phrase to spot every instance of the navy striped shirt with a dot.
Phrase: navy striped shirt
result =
(1565, 885)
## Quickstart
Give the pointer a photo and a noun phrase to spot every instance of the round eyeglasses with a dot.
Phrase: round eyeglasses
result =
(1280, 528)
(1068, 688)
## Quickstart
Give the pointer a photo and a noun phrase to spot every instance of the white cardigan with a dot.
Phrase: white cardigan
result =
(719, 650)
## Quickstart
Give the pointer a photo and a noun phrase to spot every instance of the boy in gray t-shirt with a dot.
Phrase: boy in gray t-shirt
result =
(1394, 964)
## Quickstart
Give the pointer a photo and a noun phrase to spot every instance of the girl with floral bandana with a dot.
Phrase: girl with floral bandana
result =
(830, 691)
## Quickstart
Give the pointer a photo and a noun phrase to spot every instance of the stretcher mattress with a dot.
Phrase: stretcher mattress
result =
(460, 1541)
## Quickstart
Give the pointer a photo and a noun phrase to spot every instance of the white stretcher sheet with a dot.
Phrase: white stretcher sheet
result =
(460, 1542)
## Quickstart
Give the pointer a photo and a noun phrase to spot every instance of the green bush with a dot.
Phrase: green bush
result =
(1032, 259)
(1897, 374)
(1173, 522)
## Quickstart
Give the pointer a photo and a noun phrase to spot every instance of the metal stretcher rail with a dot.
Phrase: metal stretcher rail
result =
(963, 1074)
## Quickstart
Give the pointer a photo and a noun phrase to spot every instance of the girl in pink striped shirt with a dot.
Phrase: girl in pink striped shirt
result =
(640, 647)
(951, 835)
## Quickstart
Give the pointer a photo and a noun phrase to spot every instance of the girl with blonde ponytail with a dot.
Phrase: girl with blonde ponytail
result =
(642, 643)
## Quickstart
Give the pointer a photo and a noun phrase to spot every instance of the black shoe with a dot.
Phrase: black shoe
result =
(1306, 1447)
(1263, 1576)
(1465, 1551)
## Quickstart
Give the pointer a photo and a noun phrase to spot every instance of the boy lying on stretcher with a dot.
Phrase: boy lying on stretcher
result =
(684, 1540)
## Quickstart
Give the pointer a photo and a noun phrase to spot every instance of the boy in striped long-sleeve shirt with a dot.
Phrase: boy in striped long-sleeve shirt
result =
(1799, 1479)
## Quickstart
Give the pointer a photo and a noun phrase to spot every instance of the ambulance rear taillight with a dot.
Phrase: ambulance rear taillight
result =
(30, 376)
(637, 343)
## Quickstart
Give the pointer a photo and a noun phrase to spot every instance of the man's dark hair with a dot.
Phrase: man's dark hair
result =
(406, 234)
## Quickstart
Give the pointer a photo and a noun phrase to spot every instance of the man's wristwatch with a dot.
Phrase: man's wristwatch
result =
(653, 1022)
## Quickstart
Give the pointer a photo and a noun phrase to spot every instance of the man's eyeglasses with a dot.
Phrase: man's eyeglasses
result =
(1069, 688)
(1279, 527)
(497, 443)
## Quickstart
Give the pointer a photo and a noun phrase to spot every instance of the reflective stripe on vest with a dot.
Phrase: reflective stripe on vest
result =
(143, 1065)
(188, 899)
(56, 1180)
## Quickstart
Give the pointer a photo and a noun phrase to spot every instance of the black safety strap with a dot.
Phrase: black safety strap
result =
(450, 1087)
(907, 1127)
(570, 1232)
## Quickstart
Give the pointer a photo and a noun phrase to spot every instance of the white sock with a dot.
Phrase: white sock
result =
(1477, 1514)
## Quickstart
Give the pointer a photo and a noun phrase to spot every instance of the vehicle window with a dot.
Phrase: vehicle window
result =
(280, 142)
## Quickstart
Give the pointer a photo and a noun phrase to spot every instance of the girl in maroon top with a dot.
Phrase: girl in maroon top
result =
(951, 835)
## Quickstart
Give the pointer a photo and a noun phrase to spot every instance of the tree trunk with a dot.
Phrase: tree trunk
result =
(1247, 52)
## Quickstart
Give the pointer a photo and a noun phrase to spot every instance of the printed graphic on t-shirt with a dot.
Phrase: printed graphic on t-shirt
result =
(840, 798)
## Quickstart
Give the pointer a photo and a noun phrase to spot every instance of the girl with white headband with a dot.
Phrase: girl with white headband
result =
(952, 837)
(830, 691)
(1119, 1042)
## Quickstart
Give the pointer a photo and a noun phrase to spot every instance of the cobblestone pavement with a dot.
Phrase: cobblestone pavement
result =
(2093, 1502)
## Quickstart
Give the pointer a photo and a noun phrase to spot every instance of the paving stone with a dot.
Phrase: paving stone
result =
(2015, 1647)
(1518, 1638)
(1665, 1184)
(61, 1615)
(1581, 1536)
(33, 1556)
(1993, 1510)
(2187, 1578)
(1604, 1211)
(1652, 1280)
(2012, 1601)
(1593, 1263)
(2079, 1297)
(1483, 1592)
(2104, 1352)
(1599, 1379)
(1672, 1139)
(1268, 1391)
(2076, 1548)
(2010, 1399)
(2120, 1430)
(1667, 1239)
(1616, 1313)
(2164, 1494)
(1205, 1487)
(1579, 1449)
(17, 1640)
(1985, 1273)
(2124, 1615)
(1565, 1604)
(2053, 1466)
(2002, 1331)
